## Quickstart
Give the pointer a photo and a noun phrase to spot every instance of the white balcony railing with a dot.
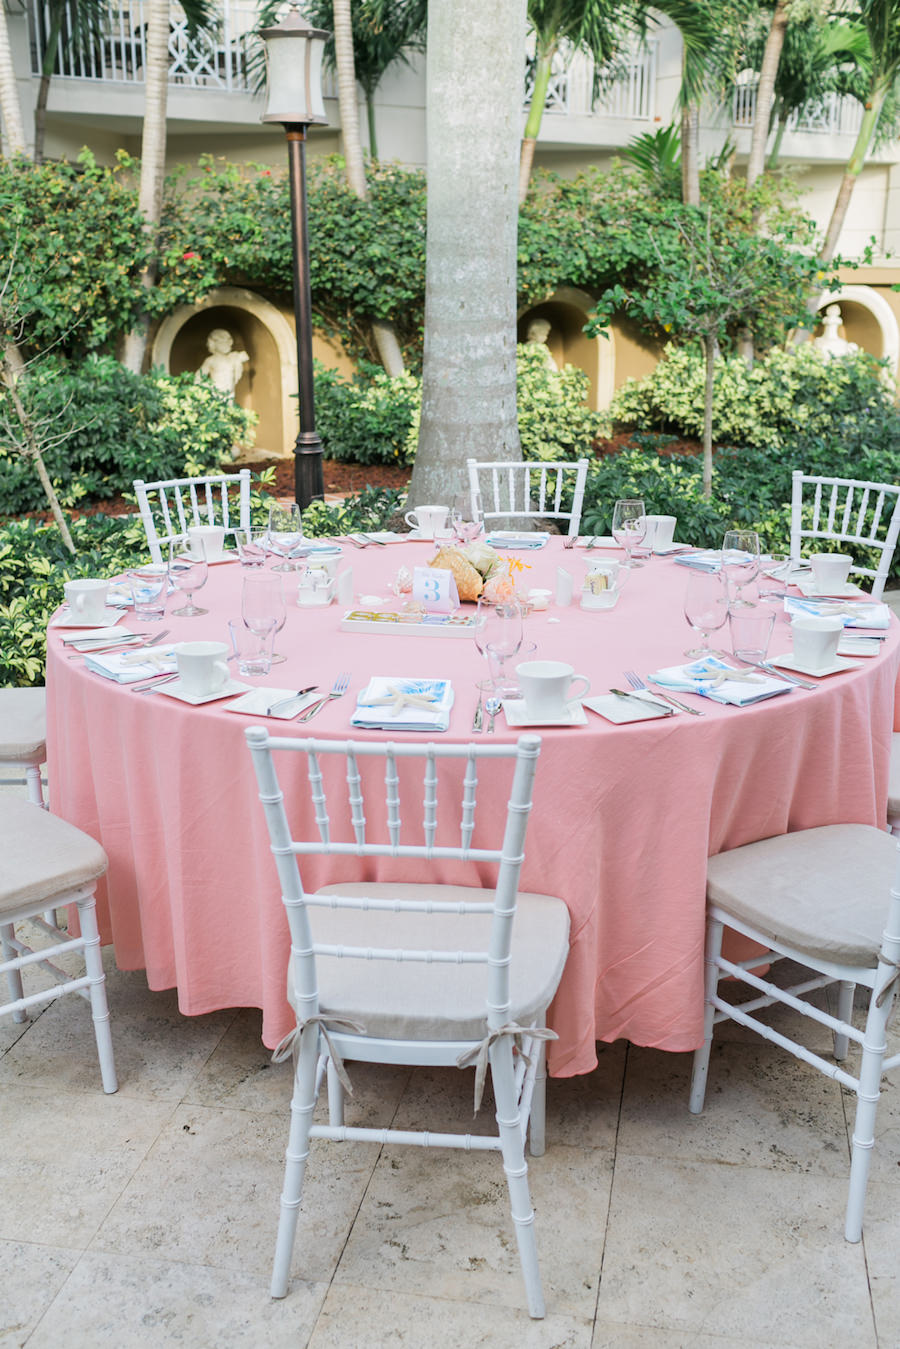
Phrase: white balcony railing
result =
(214, 58)
(832, 116)
(629, 94)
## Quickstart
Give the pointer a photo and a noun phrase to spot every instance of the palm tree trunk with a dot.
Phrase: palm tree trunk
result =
(13, 126)
(349, 109)
(853, 170)
(474, 101)
(153, 159)
(383, 332)
(765, 92)
(775, 152)
(370, 118)
(542, 72)
(47, 67)
(690, 154)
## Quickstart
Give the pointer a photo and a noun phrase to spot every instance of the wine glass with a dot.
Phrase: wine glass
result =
(262, 605)
(285, 531)
(498, 635)
(629, 526)
(466, 516)
(705, 606)
(188, 572)
(740, 562)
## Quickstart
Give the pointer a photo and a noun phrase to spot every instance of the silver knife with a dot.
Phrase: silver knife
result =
(644, 702)
(478, 719)
(682, 707)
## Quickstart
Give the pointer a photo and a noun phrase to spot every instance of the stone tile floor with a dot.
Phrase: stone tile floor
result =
(148, 1217)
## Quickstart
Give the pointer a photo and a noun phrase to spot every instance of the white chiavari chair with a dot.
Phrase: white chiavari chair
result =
(532, 489)
(418, 972)
(169, 509)
(855, 514)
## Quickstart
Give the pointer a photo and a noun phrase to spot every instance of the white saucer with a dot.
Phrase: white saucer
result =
(859, 646)
(514, 710)
(788, 662)
(597, 541)
(811, 591)
(228, 690)
(623, 710)
(64, 619)
(213, 561)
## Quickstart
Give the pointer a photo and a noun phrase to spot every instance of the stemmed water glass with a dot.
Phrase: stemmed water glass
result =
(629, 526)
(285, 531)
(740, 562)
(466, 516)
(188, 572)
(498, 635)
(705, 607)
(262, 605)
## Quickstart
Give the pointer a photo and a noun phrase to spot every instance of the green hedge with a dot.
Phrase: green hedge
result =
(111, 427)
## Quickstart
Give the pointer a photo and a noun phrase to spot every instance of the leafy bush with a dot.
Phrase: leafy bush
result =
(787, 392)
(366, 420)
(111, 427)
(555, 421)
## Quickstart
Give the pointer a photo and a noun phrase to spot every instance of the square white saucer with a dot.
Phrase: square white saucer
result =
(516, 715)
(859, 646)
(64, 619)
(789, 662)
(596, 541)
(257, 701)
(809, 589)
(621, 711)
(195, 699)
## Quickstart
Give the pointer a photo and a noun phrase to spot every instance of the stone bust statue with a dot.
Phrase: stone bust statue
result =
(536, 335)
(828, 341)
(223, 365)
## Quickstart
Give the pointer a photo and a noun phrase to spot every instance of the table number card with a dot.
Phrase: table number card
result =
(435, 589)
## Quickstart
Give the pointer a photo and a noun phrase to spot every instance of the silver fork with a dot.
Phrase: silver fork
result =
(636, 682)
(123, 644)
(570, 541)
(338, 688)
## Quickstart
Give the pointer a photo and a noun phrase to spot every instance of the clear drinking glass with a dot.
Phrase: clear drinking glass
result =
(774, 577)
(252, 546)
(705, 606)
(740, 562)
(466, 517)
(498, 635)
(189, 573)
(751, 631)
(285, 531)
(262, 604)
(629, 526)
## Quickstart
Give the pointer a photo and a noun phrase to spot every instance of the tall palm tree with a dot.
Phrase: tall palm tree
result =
(13, 126)
(881, 21)
(594, 26)
(765, 90)
(381, 34)
(475, 88)
(199, 13)
(73, 27)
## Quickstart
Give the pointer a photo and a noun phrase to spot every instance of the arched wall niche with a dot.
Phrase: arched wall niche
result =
(566, 310)
(268, 385)
(868, 320)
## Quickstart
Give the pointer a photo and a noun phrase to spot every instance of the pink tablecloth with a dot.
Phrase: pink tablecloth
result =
(624, 817)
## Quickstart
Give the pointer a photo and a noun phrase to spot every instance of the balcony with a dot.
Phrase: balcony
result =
(224, 58)
(833, 116)
(627, 92)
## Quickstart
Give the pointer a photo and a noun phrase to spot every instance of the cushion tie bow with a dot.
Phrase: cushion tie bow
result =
(292, 1041)
(478, 1054)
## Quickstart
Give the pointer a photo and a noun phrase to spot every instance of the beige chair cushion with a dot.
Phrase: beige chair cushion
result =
(23, 725)
(824, 891)
(41, 857)
(893, 808)
(412, 1000)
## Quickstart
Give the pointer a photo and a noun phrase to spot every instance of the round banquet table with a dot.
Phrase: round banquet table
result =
(624, 816)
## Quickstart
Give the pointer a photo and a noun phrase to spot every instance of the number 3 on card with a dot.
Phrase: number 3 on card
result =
(435, 589)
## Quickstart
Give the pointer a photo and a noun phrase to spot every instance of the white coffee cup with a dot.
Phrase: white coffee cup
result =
(660, 531)
(546, 687)
(87, 600)
(201, 666)
(427, 519)
(830, 570)
(815, 640)
(213, 539)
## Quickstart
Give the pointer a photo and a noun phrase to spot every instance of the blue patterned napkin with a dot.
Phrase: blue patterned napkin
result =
(396, 703)
(854, 613)
(713, 678)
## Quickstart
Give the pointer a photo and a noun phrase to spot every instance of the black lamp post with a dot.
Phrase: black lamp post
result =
(294, 79)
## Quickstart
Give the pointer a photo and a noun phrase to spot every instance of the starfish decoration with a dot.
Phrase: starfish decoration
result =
(397, 699)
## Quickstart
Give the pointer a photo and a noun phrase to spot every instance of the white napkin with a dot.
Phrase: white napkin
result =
(510, 539)
(127, 667)
(701, 676)
(709, 559)
(397, 703)
(853, 613)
